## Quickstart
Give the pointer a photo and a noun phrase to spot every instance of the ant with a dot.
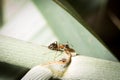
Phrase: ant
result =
(62, 48)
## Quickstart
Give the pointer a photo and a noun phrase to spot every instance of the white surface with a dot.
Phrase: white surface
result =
(88, 68)
(82, 68)
(38, 73)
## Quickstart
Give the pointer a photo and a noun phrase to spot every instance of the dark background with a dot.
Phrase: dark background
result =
(103, 17)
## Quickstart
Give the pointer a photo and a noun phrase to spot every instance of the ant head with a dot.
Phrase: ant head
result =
(53, 46)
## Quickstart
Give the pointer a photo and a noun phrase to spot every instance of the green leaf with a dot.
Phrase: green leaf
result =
(24, 54)
(15, 53)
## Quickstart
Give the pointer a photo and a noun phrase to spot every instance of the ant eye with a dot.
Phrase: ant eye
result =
(50, 47)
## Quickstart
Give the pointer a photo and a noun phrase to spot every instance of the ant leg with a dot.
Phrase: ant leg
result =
(55, 55)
